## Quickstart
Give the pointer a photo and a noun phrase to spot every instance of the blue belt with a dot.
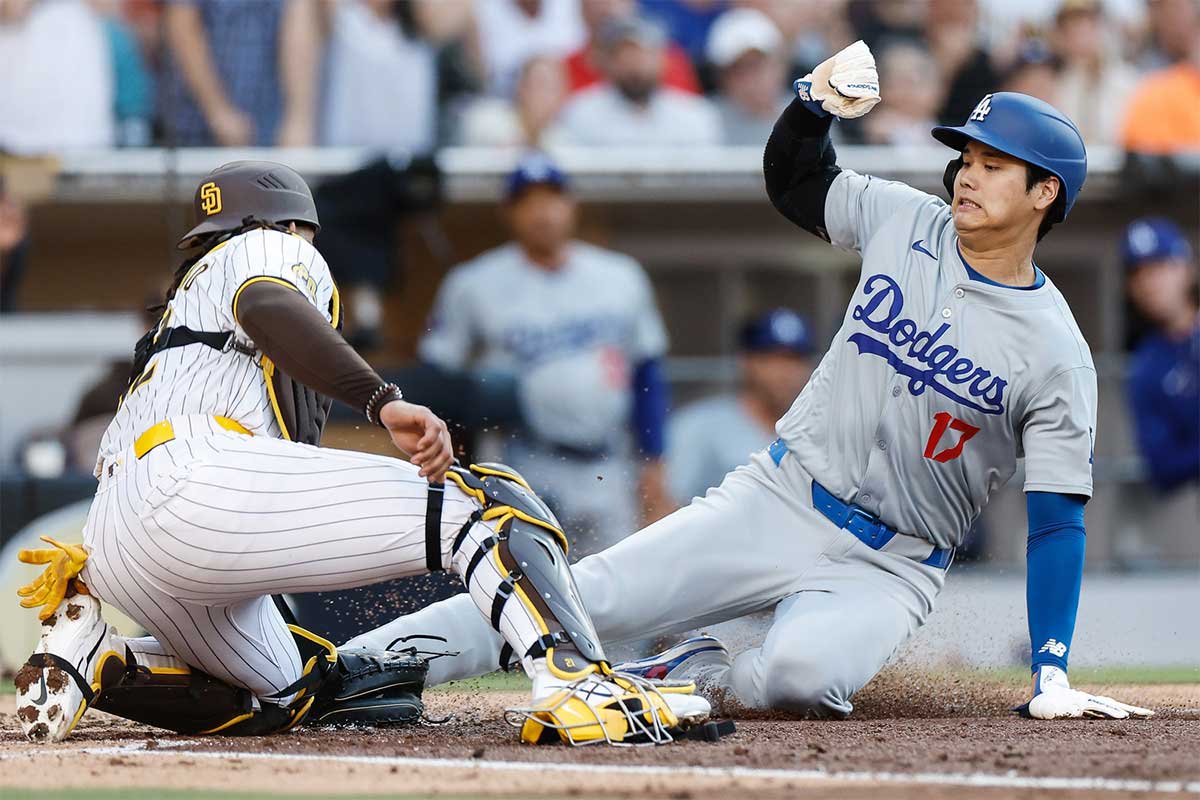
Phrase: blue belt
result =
(865, 526)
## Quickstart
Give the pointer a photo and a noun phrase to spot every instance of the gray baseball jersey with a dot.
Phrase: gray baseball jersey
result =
(708, 439)
(936, 384)
(572, 335)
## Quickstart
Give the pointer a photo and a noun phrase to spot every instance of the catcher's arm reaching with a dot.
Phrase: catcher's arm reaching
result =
(293, 334)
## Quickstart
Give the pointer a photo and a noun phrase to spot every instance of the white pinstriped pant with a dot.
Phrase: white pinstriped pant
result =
(191, 539)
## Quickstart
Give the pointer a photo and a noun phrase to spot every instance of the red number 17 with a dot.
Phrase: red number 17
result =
(942, 421)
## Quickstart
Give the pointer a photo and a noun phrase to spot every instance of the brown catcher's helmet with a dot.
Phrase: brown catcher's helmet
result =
(261, 189)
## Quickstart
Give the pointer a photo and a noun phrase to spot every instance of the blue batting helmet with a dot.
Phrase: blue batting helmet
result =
(1025, 128)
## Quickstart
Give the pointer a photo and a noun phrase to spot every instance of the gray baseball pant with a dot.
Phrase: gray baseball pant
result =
(754, 542)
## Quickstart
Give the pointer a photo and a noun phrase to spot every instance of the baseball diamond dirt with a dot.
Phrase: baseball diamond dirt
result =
(914, 735)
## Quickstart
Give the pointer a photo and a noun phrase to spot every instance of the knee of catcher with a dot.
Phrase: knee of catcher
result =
(804, 683)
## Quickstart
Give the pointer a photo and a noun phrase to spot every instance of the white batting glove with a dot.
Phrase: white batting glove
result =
(1055, 699)
(846, 85)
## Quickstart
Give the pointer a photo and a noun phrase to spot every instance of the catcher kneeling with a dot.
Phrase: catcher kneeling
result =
(213, 496)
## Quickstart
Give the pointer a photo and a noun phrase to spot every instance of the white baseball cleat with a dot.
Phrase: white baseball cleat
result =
(696, 659)
(59, 681)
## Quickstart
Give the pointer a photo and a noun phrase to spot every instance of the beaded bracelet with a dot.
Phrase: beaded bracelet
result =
(379, 398)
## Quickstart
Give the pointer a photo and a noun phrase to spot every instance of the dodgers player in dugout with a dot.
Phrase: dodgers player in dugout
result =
(213, 496)
(710, 437)
(580, 332)
(956, 357)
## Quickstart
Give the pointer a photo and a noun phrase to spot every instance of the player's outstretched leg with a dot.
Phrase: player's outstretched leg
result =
(739, 549)
(512, 557)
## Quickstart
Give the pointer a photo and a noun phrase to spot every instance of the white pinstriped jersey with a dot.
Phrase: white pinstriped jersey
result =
(198, 379)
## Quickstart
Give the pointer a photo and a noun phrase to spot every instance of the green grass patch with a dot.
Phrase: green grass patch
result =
(1098, 675)
(493, 682)
(6, 687)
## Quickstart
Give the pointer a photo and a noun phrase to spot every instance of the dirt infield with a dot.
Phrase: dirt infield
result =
(911, 737)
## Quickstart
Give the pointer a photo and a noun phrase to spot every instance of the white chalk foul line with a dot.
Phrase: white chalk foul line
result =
(977, 779)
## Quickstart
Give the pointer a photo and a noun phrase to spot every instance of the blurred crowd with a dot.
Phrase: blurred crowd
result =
(584, 387)
(411, 75)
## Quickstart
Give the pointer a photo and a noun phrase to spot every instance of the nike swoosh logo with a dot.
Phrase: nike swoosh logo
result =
(43, 696)
(917, 246)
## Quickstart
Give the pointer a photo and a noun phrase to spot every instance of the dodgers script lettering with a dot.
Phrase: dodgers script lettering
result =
(918, 354)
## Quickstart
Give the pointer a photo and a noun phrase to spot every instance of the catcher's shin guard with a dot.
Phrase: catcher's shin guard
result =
(516, 571)
(514, 565)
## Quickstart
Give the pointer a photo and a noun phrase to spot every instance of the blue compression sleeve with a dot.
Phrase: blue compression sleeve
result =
(1054, 561)
(650, 400)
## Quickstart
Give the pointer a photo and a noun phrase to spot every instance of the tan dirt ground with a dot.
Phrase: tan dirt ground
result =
(905, 725)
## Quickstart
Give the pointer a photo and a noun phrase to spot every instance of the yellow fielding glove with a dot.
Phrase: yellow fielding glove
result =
(63, 562)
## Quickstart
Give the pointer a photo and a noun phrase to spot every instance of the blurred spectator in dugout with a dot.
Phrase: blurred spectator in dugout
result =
(1094, 83)
(242, 72)
(1164, 376)
(709, 438)
(583, 66)
(915, 91)
(527, 121)
(578, 328)
(747, 51)
(14, 244)
(1163, 117)
(633, 107)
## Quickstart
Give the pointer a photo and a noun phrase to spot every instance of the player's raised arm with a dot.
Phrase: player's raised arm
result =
(800, 163)
(803, 179)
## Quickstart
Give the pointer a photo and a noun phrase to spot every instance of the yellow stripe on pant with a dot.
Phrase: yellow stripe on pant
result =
(163, 432)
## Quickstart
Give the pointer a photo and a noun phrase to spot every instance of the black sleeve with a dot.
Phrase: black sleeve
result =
(799, 165)
(302, 343)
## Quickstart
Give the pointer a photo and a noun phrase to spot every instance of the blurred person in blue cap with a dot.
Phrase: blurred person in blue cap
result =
(1164, 376)
(578, 329)
(709, 438)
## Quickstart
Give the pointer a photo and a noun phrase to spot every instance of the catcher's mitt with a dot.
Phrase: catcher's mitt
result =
(371, 687)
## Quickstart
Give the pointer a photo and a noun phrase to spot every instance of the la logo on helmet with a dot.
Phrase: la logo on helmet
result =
(982, 110)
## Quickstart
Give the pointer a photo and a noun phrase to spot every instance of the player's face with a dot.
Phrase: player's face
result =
(776, 377)
(1160, 289)
(991, 193)
(542, 219)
